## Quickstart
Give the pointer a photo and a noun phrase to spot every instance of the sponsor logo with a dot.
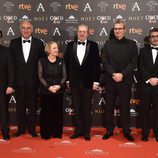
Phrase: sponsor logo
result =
(71, 19)
(24, 18)
(24, 150)
(71, 31)
(135, 18)
(96, 152)
(89, 18)
(25, 6)
(65, 143)
(2, 141)
(8, 6)
(10, 19)
(41, 19)
(43, 31)
(152, 5)
(119, 17)
(98, 111)
(119, 6)
(138, 31)
(103, 19)
(69, 111)
(151, 18)
(56, 19)
(130, 145)
(102, 6)
(71, 7)
(55, 6)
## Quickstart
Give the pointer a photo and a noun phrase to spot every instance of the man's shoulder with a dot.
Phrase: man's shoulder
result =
(16, 39)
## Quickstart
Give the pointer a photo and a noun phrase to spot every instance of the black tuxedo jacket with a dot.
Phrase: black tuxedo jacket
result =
(120, 56)
(26, 72)
(146, 67)
(88, 71)
(6, 68)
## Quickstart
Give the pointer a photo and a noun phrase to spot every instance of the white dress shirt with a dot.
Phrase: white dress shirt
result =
(26, 48)
(81, 50)
(154, 53)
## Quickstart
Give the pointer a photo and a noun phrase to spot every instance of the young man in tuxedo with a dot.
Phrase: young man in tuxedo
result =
(148, 69)
(26, 51)
(6, 86)
(82, 63)
(119, 58)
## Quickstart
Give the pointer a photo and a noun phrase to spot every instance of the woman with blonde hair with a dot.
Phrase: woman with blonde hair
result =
(52, 76)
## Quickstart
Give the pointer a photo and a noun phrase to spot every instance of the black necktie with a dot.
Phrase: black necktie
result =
(154, 48)
(24, 41)
(83, 43)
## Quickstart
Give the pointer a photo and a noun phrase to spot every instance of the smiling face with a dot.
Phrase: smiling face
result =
(82, 32)
(26, 29)
(53, 50)
(119, 30)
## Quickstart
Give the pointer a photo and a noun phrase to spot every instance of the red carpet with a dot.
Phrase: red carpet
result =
(116, 147)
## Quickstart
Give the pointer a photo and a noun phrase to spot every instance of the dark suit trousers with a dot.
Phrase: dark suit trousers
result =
(148, 98)
(26, 98)
(81, 100)
(4, 113)
(123, 91)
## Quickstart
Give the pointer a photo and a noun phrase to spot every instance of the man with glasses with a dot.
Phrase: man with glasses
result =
(119, 59)
(148, 68)
(26, 51)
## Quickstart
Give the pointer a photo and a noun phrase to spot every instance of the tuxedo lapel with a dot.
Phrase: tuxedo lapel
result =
(31, 51)
(20, 50)
(87, 51)
(75, 52)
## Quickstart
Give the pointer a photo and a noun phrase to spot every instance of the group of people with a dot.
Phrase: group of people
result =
(27, 63)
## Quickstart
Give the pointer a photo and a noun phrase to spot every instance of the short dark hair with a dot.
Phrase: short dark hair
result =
(153, 30)
(1, 35)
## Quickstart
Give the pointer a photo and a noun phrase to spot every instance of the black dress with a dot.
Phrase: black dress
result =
(51, 123)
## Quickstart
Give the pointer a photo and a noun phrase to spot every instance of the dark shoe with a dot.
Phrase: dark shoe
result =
(17, 134)
(34, 134)
(55, 136)
(129, 137)
(6, 137)
(87, 138)
(107, 135)
(144, 138)
(74, 136)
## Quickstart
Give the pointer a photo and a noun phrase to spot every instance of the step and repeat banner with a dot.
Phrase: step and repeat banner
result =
(57, 20)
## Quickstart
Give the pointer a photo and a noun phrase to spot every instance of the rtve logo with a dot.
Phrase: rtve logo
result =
(71, 7)
(138, 31)
(119, 6)
(41, 31)
(25, 6)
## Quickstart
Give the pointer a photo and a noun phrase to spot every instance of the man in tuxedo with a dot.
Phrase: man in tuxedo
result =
(6, 86)
(119, 58)
(26, 51)
(148, 69)
(82, 63)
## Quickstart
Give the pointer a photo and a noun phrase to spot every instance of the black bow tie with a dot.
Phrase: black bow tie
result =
(154, 48)
(24, 41)
(83, 43)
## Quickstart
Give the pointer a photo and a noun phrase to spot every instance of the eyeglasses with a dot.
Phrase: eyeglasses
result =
(154, 36)
(119, 29)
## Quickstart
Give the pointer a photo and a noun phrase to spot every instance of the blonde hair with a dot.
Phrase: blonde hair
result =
(48, 46)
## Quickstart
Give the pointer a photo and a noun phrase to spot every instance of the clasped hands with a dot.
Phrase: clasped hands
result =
(153, 81)
(117, 77)
(54, 88)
